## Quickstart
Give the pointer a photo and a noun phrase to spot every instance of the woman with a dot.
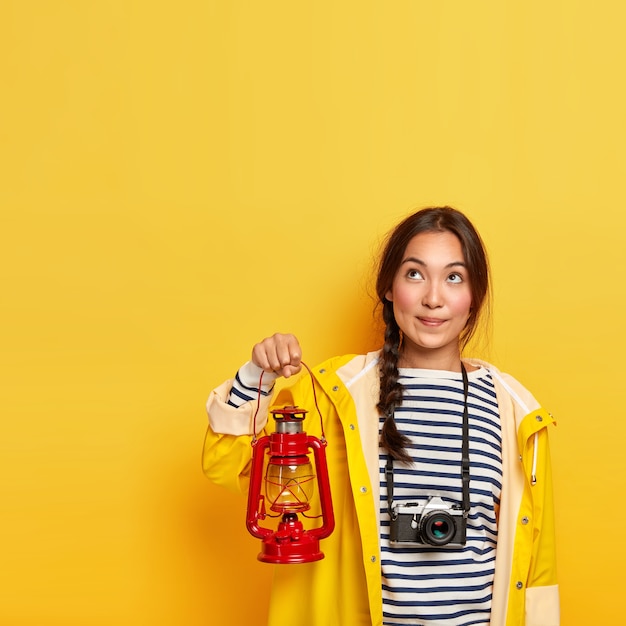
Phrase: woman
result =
(439, 465)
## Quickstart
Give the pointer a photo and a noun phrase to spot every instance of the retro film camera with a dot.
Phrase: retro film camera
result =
(433, 523)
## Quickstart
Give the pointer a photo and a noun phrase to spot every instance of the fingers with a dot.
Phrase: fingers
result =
(279, 353)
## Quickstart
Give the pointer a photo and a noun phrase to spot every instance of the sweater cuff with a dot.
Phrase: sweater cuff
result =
(250, 374)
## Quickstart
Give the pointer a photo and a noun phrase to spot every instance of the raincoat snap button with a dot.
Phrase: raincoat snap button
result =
(373, 559)
(363, 489)
(351, 426)
(519, 584)
(525, 520)
(322, 371)
(335, 388)
(539, 418)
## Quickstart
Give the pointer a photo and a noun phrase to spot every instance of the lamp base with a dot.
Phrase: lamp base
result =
(290, 544)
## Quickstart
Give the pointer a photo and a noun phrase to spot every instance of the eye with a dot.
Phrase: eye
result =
(455, 277)
(414, 274)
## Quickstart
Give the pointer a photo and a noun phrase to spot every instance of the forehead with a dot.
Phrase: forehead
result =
(434, 248)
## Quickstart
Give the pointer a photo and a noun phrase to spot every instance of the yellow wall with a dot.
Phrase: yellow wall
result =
(178, 180)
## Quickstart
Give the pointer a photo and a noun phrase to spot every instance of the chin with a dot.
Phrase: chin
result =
(428, 346)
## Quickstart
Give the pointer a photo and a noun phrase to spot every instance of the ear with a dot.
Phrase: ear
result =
(389, 296)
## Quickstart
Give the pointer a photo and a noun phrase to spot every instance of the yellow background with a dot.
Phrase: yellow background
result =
(180, 179)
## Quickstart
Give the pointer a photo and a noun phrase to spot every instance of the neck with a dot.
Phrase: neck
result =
(449, 361)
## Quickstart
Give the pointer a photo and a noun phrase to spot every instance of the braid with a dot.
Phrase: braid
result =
(390, 389)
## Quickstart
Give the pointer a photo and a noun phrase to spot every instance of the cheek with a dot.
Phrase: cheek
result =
(403, 298)
(463, 304)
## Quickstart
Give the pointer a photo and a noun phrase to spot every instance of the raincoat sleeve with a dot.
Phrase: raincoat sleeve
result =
(227, 452)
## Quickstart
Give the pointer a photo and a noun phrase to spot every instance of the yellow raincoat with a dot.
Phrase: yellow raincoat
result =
(344, 589)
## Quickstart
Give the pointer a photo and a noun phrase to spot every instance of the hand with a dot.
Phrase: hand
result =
(278, 353)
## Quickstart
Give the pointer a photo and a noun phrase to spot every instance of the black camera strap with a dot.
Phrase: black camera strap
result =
(465, 463)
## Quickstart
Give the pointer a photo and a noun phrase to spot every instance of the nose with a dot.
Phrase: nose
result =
(433, 297)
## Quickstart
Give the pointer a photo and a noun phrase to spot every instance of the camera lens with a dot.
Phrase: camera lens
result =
(437, 528)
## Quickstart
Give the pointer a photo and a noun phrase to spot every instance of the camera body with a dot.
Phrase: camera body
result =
(434, 523)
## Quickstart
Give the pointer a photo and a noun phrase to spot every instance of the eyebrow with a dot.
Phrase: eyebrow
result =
(412, 259)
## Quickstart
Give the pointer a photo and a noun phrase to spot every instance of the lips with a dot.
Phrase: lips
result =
(431, 321)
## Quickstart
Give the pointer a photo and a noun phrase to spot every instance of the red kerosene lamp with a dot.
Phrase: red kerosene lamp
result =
(289, 486)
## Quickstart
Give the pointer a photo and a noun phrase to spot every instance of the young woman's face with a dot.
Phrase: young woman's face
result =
(431, 299)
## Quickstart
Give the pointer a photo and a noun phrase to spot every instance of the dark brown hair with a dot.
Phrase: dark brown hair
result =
(436, 219)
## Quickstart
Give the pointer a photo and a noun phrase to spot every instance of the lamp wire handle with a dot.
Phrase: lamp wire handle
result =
(258, 404)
